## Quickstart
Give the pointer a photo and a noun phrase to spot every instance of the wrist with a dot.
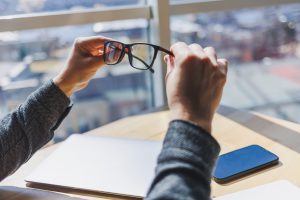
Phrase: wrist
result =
(205, 124)
(66, 88)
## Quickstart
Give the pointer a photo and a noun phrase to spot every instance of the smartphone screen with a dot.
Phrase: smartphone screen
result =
(241, 162)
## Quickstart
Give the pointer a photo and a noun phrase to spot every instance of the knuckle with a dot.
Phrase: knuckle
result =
(212, 49)
(177, 45)
(182, 55)
(214, 65)
(192, 57)
(194, 45)
(78, 41)
(189, 58)
(205, 58)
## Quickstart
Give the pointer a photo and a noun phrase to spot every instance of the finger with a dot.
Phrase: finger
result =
(212, 55)
(169, 59)
(196, 47)
(91, 45)
(198, 50)
(223, 65)
(94, 41)
(166, 59)
(170, 64)
(179, 49)
(97, 51)
(211, 50)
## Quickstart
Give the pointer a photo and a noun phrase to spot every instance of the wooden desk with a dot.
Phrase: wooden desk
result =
(232, 128)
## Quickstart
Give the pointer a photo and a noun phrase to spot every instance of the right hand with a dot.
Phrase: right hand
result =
(86, 57)
(195, 80)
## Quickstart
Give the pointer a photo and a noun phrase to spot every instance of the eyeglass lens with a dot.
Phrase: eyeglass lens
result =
(113, 52)
(142, 56)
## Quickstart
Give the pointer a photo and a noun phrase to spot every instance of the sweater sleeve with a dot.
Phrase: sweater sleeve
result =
(185, 164)
(30, 126)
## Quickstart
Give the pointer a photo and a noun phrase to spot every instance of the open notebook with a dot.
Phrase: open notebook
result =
(279, 190)
(100, 164)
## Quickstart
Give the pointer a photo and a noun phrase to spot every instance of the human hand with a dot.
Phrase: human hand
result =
(84, 60)
(194, 83)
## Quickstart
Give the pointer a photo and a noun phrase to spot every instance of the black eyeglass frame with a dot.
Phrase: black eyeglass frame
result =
(130, 56)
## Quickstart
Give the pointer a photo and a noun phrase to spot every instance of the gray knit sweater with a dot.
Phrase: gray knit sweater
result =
(184, 165)
(30, 126)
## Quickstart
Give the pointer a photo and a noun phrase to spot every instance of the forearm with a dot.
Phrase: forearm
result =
(185, 164)
(29, 127)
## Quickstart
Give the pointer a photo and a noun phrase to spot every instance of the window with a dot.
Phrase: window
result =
(262, 46)
(115, 91)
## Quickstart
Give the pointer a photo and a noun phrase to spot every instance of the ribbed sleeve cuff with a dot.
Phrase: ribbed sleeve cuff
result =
(41, 114)
(187, 137)
(51, 96)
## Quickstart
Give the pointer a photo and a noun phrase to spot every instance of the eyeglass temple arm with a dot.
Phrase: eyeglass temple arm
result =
(166, 51)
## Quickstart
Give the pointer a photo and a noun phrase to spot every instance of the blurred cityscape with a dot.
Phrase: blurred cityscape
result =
(29, 58)
(262, 46)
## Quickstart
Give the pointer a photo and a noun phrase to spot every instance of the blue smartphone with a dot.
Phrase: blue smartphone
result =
(241, 162)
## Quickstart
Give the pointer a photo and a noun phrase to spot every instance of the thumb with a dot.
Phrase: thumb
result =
(170, 63)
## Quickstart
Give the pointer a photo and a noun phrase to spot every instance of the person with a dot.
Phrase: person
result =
(194, 84)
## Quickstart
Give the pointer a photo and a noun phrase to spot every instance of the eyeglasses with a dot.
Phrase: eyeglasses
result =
(140, 55)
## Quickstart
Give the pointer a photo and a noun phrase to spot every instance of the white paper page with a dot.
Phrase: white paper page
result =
(279, 190)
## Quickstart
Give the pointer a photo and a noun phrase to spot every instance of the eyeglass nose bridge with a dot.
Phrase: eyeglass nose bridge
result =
(127, 50)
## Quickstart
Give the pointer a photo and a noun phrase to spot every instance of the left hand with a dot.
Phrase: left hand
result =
(194, 83)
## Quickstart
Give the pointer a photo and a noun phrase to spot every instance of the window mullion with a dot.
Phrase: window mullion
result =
(191, 7)
(69, 18)
(160, 34)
